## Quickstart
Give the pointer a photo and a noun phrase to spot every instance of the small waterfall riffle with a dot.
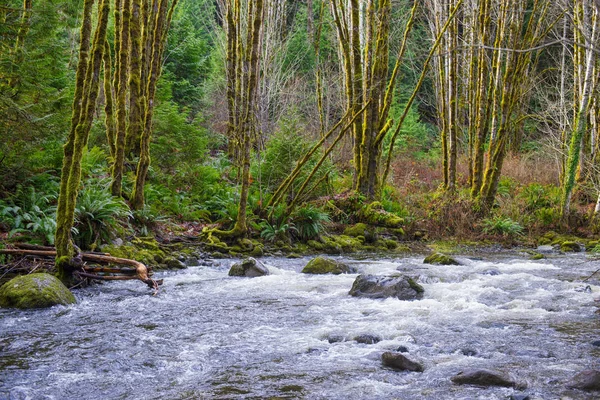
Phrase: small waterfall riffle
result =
(293, 336)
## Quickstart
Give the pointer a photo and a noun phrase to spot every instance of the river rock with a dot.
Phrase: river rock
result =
(440, 259)
(323, 265)
(586, 380)
(367, 339)
(484, 377)
(249, 267)
(35, 291)
(569, 246)
(379, 287)
(174, 263)
(400, 362)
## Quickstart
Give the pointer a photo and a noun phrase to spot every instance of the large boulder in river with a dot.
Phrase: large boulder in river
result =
(323, 265)
(485, 378)
(586, 380)
(35, 291)
(440, 259)
(380, 287)
(249, 267)
(400, 362)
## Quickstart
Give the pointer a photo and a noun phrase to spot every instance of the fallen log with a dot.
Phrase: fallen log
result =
(140, 272)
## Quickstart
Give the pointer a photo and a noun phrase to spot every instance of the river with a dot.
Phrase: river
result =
(206, 335)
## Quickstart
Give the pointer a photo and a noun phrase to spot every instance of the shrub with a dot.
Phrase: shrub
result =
(538, 196)
(548, 216)
(502, 226)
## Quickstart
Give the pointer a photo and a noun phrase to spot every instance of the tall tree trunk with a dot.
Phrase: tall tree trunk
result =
(84, 107)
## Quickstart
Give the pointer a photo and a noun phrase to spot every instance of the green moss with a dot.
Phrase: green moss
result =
(415, 286)
(440, 259)
(537, 256)
(543, 241)
(356, 230)
(449, 247)
(316, 245)
(322, 265)
(403, 249)
(390, 244)
(374, 214)
(149, 255)
(257, 251)
(348, 244)
(35, 291)
(570, 246)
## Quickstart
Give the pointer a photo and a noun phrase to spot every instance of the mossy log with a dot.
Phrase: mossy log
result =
(139, 271)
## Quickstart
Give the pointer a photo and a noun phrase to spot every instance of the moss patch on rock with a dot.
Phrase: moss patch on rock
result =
(35, 291)
(440, 259)
(374, 214)
(322, 265)
(356, 230)
(569, 246)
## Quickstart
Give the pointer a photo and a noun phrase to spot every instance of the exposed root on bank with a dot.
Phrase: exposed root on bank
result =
(119, 269)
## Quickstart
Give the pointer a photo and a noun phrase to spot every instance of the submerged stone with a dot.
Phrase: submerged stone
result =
(440, 259)
(322, 265)
(483, 377)
(367, 339)
(586, 380)
(35, 291)
(249, 267)
(173, 263)
(400, 362)
(380, 287)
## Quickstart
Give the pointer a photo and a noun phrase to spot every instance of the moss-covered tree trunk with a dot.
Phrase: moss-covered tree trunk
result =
(122, 69)
(519, 31)
(84, 108)
(162, 22)
(588, 29)
(365, 53)
(244, 30)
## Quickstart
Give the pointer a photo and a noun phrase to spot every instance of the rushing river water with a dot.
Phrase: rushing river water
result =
(209, 336)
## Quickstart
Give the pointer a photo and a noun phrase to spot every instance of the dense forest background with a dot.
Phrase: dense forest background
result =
(483, 116)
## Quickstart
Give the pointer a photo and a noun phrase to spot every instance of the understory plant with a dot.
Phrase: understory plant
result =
(97, 215)
(308, 221)
(31, 212)
(500, 225)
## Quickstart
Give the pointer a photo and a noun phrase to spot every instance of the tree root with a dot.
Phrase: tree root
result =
(139, 270)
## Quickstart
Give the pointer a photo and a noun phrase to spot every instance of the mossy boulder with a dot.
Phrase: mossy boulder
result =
(249, 268)
(390, 244)
(322, 265)
(35, 291)
(356, 230)
(440, 259)
(537, 256)
(374, 214)
(173, 263)
(569, 246)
